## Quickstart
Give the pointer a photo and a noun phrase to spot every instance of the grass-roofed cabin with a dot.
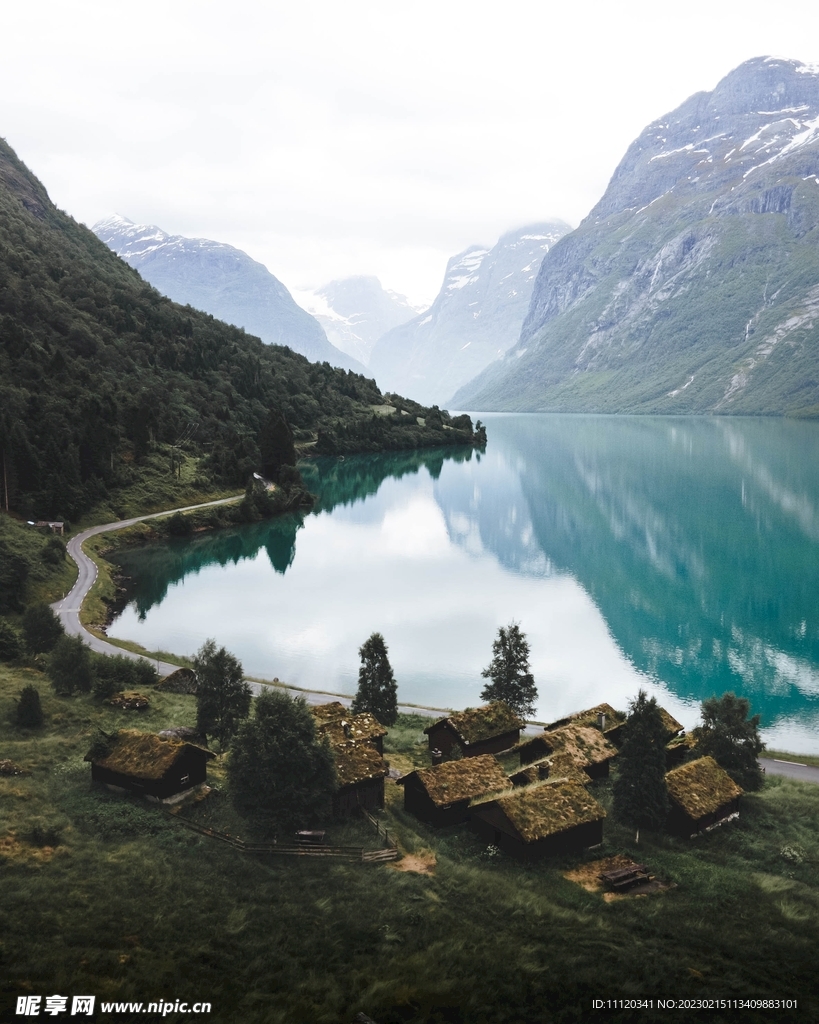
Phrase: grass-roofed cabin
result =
(602, 716)
(702, 794)
(475, 731)
(340, 725)
(361, 771)
(440, 795)
(157, 767)
(584, 745)
(540, 820)
(555, 766)
(677, 749)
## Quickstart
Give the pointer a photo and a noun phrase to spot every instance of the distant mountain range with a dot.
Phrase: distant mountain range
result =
(476, 317)
(224, 281)
(693, 285)
(355, 312)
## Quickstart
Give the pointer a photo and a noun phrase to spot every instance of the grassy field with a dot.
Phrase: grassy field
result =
(110, 896)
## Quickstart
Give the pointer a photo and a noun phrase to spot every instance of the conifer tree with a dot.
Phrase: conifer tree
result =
(222, 695)
(377, 689)
(639, 790)
(512, 682)
(731, 738)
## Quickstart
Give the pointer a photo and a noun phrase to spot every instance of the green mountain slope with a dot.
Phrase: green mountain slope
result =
(693, 285)
(101, 376)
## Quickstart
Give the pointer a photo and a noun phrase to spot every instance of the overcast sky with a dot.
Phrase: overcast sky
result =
(348, 137)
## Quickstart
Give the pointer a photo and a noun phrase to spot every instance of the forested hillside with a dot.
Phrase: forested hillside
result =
(100, 374)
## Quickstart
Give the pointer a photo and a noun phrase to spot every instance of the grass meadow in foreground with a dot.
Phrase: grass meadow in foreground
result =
(107, 895)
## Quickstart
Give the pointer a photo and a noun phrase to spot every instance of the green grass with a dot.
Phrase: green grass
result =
(783, 755)
(130, 905)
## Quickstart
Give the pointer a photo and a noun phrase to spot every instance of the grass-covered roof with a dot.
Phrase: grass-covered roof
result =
(474, 725)
(583, 744)
(359, 728)
(143, 755)
(357, 762)
(547, 808)
(614, 718)
(701, 787)
(326, 713)
(453, 781)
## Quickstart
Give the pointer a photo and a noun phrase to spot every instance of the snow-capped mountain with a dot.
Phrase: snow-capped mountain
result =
(693, 285)
(221, 280)
(475, 318)
(355, 312)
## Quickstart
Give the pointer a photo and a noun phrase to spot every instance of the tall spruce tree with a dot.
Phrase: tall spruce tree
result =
(512, 682)
(377, 689)
(222, 695)
(639, 790)
(29, 709)
(731, 738)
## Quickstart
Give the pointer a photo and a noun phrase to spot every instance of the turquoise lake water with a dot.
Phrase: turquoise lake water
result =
(676, 554)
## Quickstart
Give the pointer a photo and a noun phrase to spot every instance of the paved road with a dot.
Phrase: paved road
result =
(68, 610)
(792, 769)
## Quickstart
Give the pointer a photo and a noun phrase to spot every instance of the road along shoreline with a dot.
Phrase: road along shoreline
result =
(68, 611)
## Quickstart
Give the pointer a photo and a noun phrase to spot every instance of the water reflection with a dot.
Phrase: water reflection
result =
(682, 553)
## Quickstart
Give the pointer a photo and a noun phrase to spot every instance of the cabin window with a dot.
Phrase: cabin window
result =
(184, 779)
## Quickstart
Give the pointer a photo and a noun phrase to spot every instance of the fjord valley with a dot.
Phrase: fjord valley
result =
(113, 397)
(691, 287)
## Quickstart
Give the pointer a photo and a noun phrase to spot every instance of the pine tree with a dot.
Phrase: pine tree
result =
(279, 772)
(377, 689)
(512, 682)
(639, 790)
(222, 695)
(731, 738)
(29, 709)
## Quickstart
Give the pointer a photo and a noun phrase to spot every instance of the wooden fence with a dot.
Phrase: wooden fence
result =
(354, 853)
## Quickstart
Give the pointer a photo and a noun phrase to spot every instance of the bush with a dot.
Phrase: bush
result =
(11, 642)
(69, 667)
(41, 628)
(29, 709)
(279, 772)
(53, 551)
(118, 672)
(179, 525)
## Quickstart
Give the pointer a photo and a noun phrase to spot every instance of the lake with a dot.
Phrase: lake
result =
(676, 554)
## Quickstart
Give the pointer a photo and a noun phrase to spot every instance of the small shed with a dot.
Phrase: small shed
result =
(159, 768)
(361, 771)
(540, 820)
(440, 795)
(702, 795)
(484, 730)
(584, 745)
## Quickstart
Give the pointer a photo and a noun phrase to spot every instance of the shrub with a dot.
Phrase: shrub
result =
(69, 667)
(41, 628)
(53, 551)
(11, 643)
(29, 709)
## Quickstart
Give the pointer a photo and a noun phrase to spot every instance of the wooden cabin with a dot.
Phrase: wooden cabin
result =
(440, 795)
(159, 768)
(677, 749)
(702, 795)
(361, 771)
(602, 716)
(340, 725)
(485, 730)
(585, 745)
(541, 820)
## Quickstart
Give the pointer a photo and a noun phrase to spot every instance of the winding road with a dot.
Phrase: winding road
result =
(68, 610)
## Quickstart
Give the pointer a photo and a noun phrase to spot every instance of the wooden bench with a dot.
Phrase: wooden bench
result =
(626, 877)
